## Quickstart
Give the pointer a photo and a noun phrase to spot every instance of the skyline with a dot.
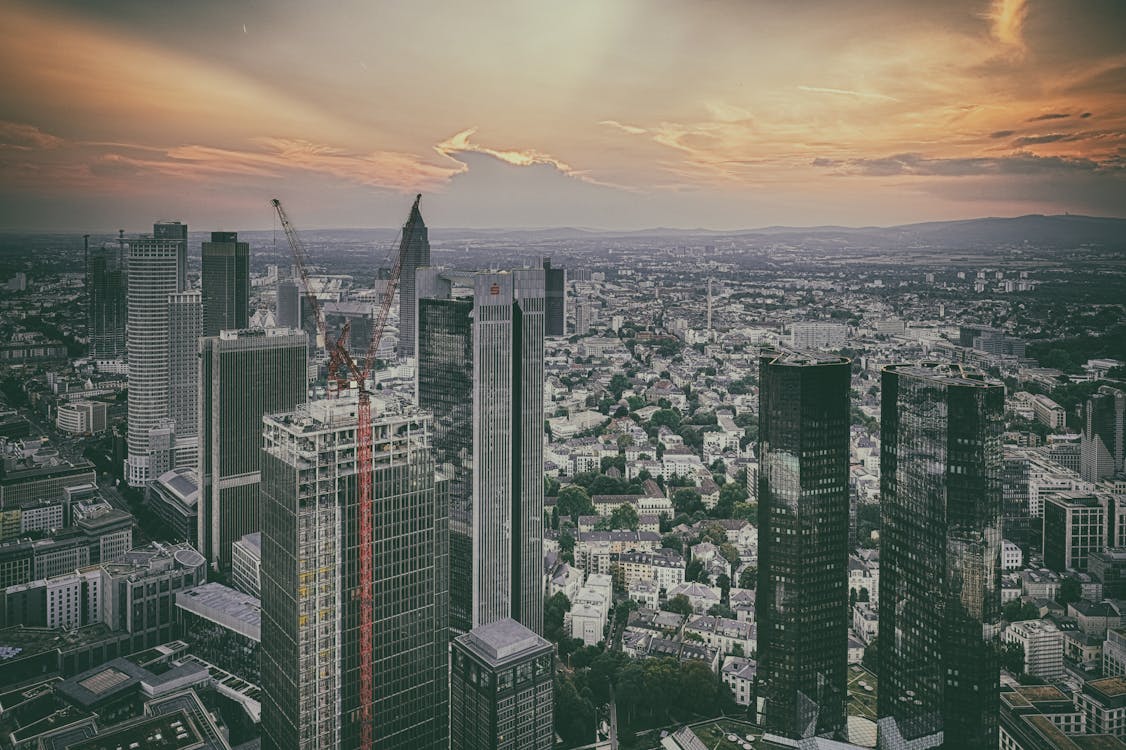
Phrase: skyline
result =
(721, 115)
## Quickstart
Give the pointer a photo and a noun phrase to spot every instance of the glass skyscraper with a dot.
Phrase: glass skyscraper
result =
(244, 375)
(480, 372)
(226, 283)
(555, 299)
(310, 576)
(941, 468)
(415, 255)
(803, 496)
(106, 278)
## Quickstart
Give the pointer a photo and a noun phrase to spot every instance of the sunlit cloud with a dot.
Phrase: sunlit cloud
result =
(847, 92)
(24, 137)
(1007, 22)
(460, 143)
(631, 129)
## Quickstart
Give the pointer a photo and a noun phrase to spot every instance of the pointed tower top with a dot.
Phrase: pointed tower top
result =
(416, 216)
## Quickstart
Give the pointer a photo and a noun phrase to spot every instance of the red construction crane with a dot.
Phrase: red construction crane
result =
(341, 364)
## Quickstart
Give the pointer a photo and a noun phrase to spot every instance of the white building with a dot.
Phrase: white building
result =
(588, 622)
(1011, 556)
(81, 417)
(818, 335)
(1042, 642)
(738, 675)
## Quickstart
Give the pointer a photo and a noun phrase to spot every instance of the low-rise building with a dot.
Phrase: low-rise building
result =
(738, 674)
(1103, 703)
(1042, 642)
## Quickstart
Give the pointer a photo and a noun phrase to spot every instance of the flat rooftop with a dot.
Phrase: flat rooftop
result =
(502, 641)
(226, 606)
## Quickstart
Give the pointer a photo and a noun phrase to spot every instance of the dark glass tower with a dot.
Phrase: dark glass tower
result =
(480, 373)
(802, 601)
(310, 581)
(105, 275)
(940, 557)
(226, 283)
(1104, 435)
(416, 256)
(244, 375)
(554, 306)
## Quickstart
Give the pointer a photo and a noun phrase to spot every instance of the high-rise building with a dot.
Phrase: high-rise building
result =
(802, 602)
(185, 325)
(582, 318)
(105, 279)
(501, 689)
(555, 300)
(415, 255)
(311, 639)
(289, 304)
(157, 269)
(1103, 448)
(226, 283)
(940, 557)
(244, 375)
(480, 372)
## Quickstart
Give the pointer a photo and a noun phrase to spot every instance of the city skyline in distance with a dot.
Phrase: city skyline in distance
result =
(624, 116)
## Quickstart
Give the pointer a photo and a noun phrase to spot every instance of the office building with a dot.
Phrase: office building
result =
(818, 335)
(555, 300)
(226, 283)
(156, 271)
(940, 556)
(311, 644)
(480, 371)
(174, 498)
(289, 304)
(1040, 717)
(1103, 703)
(415, 254)
(185, 325)
(1074, 527)
(1042, 643)
(1103, 447)
(81, 417)
(246, 564)
(583, 316)
(105, 290)
(501, 689)
(803, 494)
(244, 375)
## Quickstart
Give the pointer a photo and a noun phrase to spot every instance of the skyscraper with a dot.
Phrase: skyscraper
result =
(501, 689)
(106, 278)
(1103, 447)
(226, 283)
(185, 323)
(244, 375)
(416, 255)
(940, 557)
(555, 299)
(480, 371)
(310, 571)
(157, 269)
(802, 602)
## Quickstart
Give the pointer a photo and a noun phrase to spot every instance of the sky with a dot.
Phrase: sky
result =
(616, 114)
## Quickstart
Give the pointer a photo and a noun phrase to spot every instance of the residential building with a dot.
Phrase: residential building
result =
(156, 270)
(225, 283)
(818, 336)
(244, 375)
(311, 639)
(501, 689)
(940, 556)
(738, 674)
(480, 371)
(803, 526)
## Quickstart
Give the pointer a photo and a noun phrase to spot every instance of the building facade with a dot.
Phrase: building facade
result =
(156, 270)
(1074, 527)
(501, 689)
(940, 556)
(185, 325)
(415, 254)
(311, 643)
(555, 300)
(480, 371)
(1103, 446)
(105, 290)
(803, 492)
(244, 374)
(226, 283)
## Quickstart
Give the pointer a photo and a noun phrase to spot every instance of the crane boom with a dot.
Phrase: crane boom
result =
(301, 260)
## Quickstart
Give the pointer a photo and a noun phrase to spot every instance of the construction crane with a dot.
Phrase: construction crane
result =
(301, 261)
(341, 366)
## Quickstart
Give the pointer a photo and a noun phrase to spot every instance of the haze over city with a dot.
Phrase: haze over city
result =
(618, 115)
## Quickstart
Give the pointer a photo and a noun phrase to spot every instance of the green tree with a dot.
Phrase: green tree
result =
(1012, 657)
(730, 494)
(622, 610)
(672, 541)
(1016, 610)
(694, 571)
(748, 579)
(1070, 591)
(574, 501)
(679, 604)
(871, 658)
(729, 553)
(574, 714)
(553, 614)
(721, 610)
(665, 418)
(622, 517)
(687, 500)
(618, 383)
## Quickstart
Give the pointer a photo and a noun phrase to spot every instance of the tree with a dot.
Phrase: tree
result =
(554, 611)
(622, 517)
(715, 534)
(665, 418)
(618, 383)
(1012, 657)
(852, 596)
(723, 581)
(729, 553)
(748, 511)
(863, 596)
(748, 579)
(1070, 591)
(573, 501)
(622, 610)
(871, 658)
(672, 541)
(721, 610)
(729, 495)
(687, 500)
(1016, 610)
(679, 604)
(698, 687)
(574, 714)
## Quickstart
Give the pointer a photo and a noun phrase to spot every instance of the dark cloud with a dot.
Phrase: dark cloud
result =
(1001, 133)
(1050, 116)
(1085, 115)
(1032, 140)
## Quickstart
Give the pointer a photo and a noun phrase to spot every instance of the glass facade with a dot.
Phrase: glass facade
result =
(940, 557)
(415, 255)
(226, 283)
(105, 278)
(803, 495)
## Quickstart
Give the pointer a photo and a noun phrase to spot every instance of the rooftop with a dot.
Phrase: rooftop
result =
(227, 606)
(502, 641)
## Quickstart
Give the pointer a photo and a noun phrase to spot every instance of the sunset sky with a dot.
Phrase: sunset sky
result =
(604, 113)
